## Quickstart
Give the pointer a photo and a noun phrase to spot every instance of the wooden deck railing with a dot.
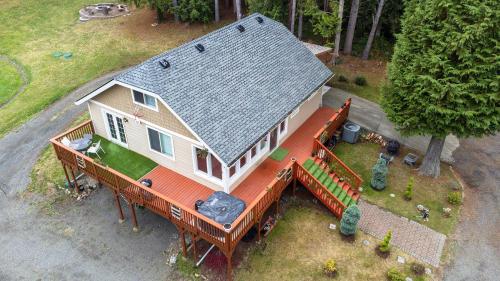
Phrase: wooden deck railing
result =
(184, 217)
(320, 150)
(315, 187)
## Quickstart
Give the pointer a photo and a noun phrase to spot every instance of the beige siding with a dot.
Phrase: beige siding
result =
(137, 139)
(306, 110)
(120, 97)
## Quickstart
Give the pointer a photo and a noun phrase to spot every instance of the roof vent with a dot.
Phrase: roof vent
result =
(200, 48)
(240, 27)
(164, 63)
(259, 19)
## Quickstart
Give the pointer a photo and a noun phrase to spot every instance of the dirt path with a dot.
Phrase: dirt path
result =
(477, 254)
(84, 241)
(24, 77)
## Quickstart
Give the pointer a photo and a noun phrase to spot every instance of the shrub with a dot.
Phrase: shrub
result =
(409, 189)
(360, 81)
(379, 173)
(455, 197)
(385, 245)
(418, 268)
(349, 221)
(342, 78)
(194, 11)
(330, 268)
(394, 275)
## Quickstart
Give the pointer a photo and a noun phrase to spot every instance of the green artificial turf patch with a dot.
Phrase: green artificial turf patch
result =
(123, 160)
(279, 154)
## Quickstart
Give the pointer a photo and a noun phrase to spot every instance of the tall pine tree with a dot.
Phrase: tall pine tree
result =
(444, 75)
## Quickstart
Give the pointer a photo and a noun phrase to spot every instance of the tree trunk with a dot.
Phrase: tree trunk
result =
(366, 51)
(234, 6)
(226, 4)
(238, 9)
(176, 16)
(292, 16)
(351, 26)
(299, 27)
(339, 31)
(216, 8)
(431, 163)
(325, 5)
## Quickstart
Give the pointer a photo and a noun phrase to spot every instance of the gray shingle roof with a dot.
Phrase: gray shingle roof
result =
(239, 88)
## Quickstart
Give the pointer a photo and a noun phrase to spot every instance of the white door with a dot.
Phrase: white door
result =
(115, 128)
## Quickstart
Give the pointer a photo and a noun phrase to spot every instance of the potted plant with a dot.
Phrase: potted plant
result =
(202, 153)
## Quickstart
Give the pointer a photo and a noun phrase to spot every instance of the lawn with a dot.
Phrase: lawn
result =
(31, 31)
(432, 193)
(300, 244)
(10, 81)
(351, 67)
(123, 160)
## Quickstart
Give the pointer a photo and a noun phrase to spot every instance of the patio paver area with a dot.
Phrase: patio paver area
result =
(417, 240)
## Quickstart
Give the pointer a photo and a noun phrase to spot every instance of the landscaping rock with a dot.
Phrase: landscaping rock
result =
(366, 242)
(408, 279)
(401, 260)
(428, 271)
(332, 226)
(392, 195)
(173, 259)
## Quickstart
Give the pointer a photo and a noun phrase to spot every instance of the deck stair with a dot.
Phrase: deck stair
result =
(340, 189)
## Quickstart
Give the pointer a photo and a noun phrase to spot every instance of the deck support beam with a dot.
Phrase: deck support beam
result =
(119, 207)
(66, 174)
(134, 217)
(183, 241)
(77, 188)
(294, 186)
(259, 226)
(229, 273)
(195, 249)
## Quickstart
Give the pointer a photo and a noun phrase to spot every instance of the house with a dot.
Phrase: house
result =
(210, 113)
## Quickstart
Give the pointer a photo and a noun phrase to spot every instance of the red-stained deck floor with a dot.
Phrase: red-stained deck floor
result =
(299, 145)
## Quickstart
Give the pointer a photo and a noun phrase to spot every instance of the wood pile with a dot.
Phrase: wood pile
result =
(374, 138)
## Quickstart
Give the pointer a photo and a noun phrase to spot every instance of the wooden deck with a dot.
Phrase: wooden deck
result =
(299, 146)
(187, 191)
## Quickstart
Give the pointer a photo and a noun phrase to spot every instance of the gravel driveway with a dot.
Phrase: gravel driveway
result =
(477, 256)
(83, 242)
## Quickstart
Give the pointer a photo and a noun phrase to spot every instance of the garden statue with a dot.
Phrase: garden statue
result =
(379, 173)
(349, 221)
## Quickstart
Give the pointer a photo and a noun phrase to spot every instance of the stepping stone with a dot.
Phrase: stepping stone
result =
(401, 260)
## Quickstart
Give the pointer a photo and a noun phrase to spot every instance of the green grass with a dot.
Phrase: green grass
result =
(301, 243)
(123, 160)
(32, 30)
(10, 81)
(429, 192)
(279, 154)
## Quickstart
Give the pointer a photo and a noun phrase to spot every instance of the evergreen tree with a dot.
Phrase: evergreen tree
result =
(443, 77)
(379, 174)
(349, 221)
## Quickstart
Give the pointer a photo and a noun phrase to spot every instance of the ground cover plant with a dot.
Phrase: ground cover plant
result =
(32, 31)
(432, 193)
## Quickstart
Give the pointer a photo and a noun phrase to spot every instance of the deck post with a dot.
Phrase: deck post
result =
(183, 241)
(229, 274)
(134, 217)
(277, 207)
(77, 188)
(258, 229)
(294, 186)
(195, 250)
(66, 174)
(119, 206)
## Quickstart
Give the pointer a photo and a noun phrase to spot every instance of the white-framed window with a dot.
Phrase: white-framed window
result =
(161, 142)
(263, 144)
(253, 152)
(207, 164)
(282, 128)
(295, 112)
(144, 100)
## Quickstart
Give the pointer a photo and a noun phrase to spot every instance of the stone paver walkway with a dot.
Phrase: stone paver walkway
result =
(419, 241)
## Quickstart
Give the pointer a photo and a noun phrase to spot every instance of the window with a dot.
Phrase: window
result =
(283, 128)
(160, 142)
(144, 99)
(243, 161)
(232, 170)
(253, 152)
(263, 143)
(294, 112)
(207, 163)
